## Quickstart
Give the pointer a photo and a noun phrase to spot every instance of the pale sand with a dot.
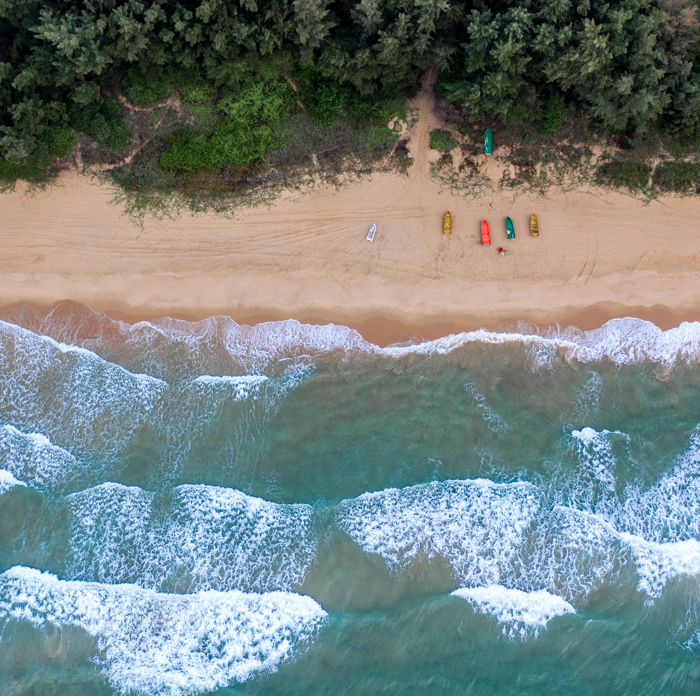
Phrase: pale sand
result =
(306, 256)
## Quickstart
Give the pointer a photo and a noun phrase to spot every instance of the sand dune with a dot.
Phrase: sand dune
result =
(306, 255)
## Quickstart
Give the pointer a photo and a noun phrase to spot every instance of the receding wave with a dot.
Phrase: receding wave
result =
(71, 395)
(194, 538)
(155, 644)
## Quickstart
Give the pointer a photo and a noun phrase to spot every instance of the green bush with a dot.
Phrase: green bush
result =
(195, 92)
(145, 87)
(246, 130)
(623, 175)
(101, 121)
(682, 177)
(188, 152)
(442, 140)
(58, 141)
(551, 114)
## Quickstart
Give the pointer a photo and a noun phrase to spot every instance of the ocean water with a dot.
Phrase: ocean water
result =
(289, 510)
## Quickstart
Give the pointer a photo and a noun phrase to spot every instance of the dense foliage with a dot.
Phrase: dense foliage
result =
(627, 63)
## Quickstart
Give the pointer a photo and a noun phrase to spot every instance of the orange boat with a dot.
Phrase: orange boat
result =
(485, 234)
(447, 223)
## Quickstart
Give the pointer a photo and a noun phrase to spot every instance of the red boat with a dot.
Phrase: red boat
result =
(485, 234)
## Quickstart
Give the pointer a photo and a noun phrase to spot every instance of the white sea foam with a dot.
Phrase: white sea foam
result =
(75, 398)
(597, 455)
(658, 563)
(477, 525)
(164, 644)
(668, 510)
(201, 346)
(196, 538)
(572, 553)
(622, 341)
(7, 481)
(521, 614)
(34, 459)
(242, 383)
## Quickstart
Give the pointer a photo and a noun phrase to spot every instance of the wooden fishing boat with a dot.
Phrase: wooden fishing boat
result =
(485, 234)
(488, 142)
(371, 233)
(534, 229)
(447, 223)
(510, 230)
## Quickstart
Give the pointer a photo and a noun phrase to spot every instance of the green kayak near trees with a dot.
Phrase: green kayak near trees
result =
(510, 230)
(488, 142)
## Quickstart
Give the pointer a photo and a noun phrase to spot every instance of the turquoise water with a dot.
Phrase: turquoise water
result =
(291, 510)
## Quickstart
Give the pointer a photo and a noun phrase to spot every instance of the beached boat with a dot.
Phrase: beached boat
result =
(488, 142)
(447, 223)
(510, 230)
(534, 229)
(485, 234)
(371, 233)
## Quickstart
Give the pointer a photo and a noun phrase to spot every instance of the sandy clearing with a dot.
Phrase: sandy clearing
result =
(305, 256)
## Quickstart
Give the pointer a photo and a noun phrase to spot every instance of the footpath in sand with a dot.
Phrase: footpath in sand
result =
(306, 255)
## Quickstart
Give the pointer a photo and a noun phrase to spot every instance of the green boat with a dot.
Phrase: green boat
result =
(488, 142)
(510, 230)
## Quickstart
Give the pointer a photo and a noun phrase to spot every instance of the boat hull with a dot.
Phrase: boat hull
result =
(447, 224)
(485, 234)
(534, 228)
(488, 142)
(510, 229)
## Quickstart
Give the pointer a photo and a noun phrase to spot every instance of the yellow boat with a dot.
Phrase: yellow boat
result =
(534, 229)
(447, 224)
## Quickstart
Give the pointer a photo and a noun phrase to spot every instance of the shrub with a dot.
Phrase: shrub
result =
(551, 114)
(623, 175)
(195, 92)
(442, 140)
(58, 141)
(145, 87)
(188, 152)
(682, 177)
(101, 121)
(245, 131)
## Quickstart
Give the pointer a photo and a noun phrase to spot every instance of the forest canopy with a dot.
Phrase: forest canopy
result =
(629, 64)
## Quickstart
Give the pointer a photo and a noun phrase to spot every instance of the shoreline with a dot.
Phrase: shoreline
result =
(383, 331)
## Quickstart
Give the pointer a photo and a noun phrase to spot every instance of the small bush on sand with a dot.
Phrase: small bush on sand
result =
(681, 177)
(633, 176)
(442, 140)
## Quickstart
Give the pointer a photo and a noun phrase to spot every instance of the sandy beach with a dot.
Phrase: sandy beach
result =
(599, 254)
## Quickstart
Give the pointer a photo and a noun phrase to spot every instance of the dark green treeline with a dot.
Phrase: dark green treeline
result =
(627, 63)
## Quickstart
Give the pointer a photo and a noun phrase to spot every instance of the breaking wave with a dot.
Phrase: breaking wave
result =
(194, 538)
(521, 614)
(167, 644)
(35, 460)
